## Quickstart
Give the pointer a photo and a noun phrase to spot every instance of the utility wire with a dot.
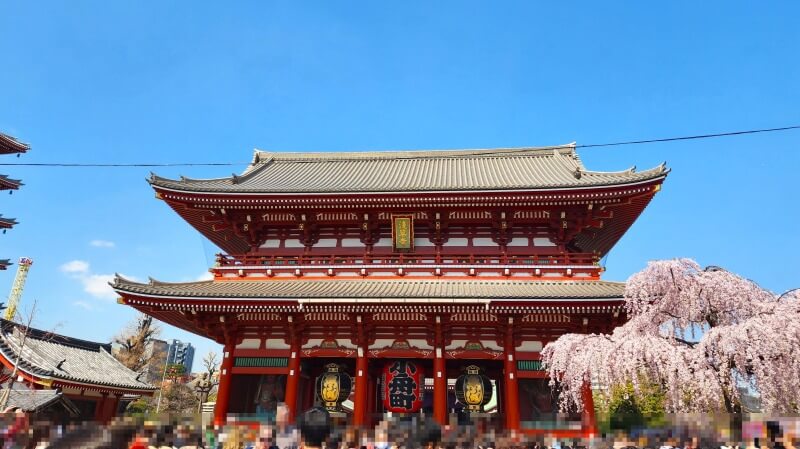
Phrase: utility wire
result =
(478, 152)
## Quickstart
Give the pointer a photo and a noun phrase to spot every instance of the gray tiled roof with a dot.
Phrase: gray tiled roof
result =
(365, 289)
(54, 356)
(413, 171)
(29, 400)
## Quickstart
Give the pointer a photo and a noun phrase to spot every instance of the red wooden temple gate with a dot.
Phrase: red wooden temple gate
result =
(447, 259)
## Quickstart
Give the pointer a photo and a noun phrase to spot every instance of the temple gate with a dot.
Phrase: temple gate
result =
(460, 262)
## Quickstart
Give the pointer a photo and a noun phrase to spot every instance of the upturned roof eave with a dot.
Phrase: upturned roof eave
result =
(10, 145)
(186, 187)
(196, 291)
(562, 159)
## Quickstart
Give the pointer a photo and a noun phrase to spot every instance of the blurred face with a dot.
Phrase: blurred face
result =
(282, 414)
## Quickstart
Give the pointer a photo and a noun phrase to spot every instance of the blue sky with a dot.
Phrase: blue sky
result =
(195, 82)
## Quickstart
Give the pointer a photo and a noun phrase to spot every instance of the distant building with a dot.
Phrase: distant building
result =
(180, 353)
(157, 353)
(156, 346)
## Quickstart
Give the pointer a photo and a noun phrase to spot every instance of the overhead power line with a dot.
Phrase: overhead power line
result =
(482, 153)
(700, 136)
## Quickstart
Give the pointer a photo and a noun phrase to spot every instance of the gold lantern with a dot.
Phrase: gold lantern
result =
(473, 389)
(333, 387)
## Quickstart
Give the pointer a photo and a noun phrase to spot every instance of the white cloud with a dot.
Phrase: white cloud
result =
(207, 276)
(75, 267)
(83, 305)
(93, 283)
(97, 286)
(102, 244)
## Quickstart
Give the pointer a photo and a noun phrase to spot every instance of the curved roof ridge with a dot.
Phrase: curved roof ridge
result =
(188, 179)
(658, 169)
(525, 168)
(256, 166)
(40, 334)
(570, 160)
(411, 154)
(154, 179)
(155, 282)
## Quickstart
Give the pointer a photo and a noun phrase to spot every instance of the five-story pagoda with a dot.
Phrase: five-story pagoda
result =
(422, 266)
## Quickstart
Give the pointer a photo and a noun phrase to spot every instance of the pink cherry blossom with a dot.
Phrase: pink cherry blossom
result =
(700, 333)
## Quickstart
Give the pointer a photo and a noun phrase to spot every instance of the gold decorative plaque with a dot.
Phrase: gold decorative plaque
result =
(403, 233)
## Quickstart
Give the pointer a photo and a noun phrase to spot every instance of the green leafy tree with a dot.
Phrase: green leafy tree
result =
(625, 407)
(175, 372)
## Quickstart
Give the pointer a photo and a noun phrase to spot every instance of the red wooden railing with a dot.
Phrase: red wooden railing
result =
(225, 260)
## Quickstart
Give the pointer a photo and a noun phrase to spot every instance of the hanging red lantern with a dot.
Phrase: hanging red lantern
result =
(402, 386)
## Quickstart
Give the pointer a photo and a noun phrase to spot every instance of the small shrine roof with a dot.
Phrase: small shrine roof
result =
(7, 222)
(58, 357)
(10, 145)
(388, 290)
(7, 183)
(504, 169)
(32, 401)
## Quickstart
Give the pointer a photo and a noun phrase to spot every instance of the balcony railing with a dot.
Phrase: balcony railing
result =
(278, 261)
(561, 265)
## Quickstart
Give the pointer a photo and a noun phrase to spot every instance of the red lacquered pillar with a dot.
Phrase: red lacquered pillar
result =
(292, 379)
(100, 408)
(112, 412)
(589, 420)
(511, 390)
(439, 388)
(224, 388)
(360, 406)
(439, 376)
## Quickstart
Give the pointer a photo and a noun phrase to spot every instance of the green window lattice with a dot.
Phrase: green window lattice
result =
(261, 362)
(530, 365)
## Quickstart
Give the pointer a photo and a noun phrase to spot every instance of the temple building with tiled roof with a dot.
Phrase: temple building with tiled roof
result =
(83, 371)
(458, 263)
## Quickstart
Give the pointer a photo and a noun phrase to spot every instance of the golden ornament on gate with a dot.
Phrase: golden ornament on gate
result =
(473, 389)
(333, 387)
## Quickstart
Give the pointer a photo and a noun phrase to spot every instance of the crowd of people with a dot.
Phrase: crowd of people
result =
(317, 429)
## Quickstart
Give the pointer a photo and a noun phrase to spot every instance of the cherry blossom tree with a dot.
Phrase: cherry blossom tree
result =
(699, 333)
